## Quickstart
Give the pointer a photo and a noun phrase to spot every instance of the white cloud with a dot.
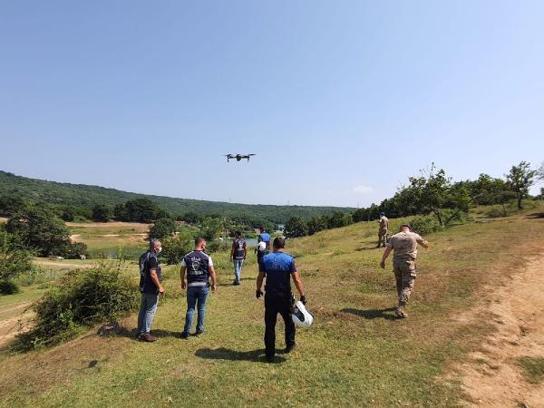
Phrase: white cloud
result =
(362, 189)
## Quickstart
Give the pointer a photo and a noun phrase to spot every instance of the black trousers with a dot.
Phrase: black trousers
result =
(274, 304)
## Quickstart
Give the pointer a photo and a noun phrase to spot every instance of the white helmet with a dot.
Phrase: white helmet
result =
(262, 246)
(301, 316)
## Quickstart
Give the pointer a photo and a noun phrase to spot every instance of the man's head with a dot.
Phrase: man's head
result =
(405, 228)
(200, 244)
(382, 214)
(155, 245)
(237, 234)
(279, 243)
(261, 228)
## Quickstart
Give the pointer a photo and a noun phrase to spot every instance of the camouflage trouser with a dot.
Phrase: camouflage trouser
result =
(405, 275)
(382, 238)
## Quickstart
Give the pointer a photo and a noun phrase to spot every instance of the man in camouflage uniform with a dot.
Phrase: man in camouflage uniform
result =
(383, 229)
(404, 244)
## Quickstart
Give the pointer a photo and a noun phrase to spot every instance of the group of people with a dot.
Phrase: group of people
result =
(276, 269)
(197, 276)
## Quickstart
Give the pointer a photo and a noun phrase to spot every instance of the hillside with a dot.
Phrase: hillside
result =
(356, 353)
(80, 195)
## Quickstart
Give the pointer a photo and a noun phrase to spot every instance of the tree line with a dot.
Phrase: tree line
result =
(433, 193)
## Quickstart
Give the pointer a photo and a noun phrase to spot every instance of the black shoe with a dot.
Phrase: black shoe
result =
(236, 283)
(199, 332)
(184, 335)
(289, 348)
(270, 358)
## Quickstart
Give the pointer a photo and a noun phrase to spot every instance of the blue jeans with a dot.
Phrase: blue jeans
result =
(237, 268)
(195, 294)
(148, 308)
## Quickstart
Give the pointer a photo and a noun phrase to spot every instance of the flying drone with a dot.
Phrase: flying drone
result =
(238, 156)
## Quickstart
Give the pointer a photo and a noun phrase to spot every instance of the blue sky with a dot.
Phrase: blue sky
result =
(341, 100)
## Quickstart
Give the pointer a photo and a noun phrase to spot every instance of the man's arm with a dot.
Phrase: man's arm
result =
(386, 253)
(155, 279)
(183, 277)
(299, 285)
(232, 250)
(422, 242)
(245, 250)
(213, 276)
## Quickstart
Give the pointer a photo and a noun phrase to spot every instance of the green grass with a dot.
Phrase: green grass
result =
(355, 354)
(533, 368)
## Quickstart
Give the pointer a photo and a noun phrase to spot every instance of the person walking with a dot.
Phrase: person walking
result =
(263, 245)
(150, 288)
(383, 230)
(278, 267)
(195, 273)
(404, 244)
(238, 254)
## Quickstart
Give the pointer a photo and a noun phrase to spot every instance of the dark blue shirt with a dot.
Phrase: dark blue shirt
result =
(197, 264)
(265, 237)
(149, 261)
(278, 267)
(239, 245)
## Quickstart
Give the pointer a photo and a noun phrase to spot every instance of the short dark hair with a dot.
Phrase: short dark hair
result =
(237, 234)
(261, 227)
(279, 243)
(407, 226)
(199, 240)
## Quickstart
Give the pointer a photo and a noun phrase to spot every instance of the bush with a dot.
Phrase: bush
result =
(101, 213)
(75, 250)
(164, 227)
(296, 227)
(83, 298)
(425, 224)
(174, 248)
(13, 262)
(8, 287)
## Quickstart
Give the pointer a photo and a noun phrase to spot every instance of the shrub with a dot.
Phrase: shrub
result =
(101, 213)
(75, 250)
(163, 228)
(496, 212)
(296, 227)
(13, 262)
(175, 248)
(83, 298)
(425, 224)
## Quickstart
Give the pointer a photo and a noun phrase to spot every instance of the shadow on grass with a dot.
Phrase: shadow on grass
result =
(386, 314)
(223, 353)
(132, 333)
(536, 215)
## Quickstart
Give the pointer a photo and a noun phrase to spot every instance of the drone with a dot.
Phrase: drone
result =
(238, 156)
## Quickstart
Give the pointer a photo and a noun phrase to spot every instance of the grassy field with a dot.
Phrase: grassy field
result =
(356, 353)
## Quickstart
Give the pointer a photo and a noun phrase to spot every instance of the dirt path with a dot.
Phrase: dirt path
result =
(9, 327)
(492, 377)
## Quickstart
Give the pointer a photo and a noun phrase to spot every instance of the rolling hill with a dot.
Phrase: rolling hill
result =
(86, 196)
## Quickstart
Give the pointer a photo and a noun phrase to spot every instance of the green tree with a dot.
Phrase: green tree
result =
(211, 228)
(316, 224)
(141, 210)
(174, 248)
(40, 230)
(520, 178)
(101, 213)
(13, 261)
(295, 227)
(163, 227)
(9, 205)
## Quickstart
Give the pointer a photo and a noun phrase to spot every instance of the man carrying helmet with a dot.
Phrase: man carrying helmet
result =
(404, 244)
(278, 267)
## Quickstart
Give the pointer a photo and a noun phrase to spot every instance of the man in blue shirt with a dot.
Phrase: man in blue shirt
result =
(278, 267)
(195, 273)
(150, 287)
(265, 238)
